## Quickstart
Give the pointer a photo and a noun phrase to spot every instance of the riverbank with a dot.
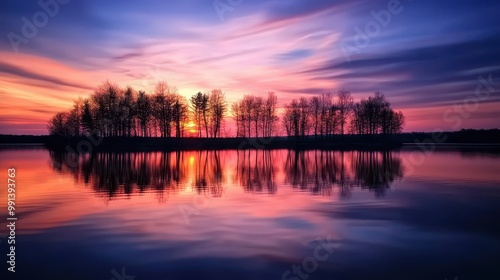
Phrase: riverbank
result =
(464, 137)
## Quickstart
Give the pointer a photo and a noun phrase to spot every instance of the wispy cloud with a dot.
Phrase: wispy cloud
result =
(290, 47)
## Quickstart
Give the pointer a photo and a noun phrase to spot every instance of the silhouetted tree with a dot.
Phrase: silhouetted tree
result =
(344, 107)
(375, 115)
(269, 115)
(315, 108)
(58, 124)
(87, 118)
(123, 112)
(180, 115)
(216, 111)
(163, 101)
(291, 118)
(238, 118)
(128, 105)
(143, 112)
(199, 104)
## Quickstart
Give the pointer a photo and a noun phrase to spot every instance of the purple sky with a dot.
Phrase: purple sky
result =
(426, 56)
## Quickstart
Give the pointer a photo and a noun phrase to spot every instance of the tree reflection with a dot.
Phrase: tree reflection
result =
(322, 171)
(376, 171)
(209, 173)
(256, 171)
(112, 174)
(205, 172)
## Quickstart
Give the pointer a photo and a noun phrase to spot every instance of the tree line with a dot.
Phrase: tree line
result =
(325, 115)
(113, 111)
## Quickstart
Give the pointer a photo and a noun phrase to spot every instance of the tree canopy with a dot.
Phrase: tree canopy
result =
(113, 111)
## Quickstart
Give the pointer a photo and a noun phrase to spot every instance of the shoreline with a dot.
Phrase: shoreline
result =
(488, 139)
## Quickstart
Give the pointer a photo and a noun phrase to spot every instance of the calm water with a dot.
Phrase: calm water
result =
(254, 215)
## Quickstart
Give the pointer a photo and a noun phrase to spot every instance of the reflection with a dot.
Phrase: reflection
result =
(376, 171)
(113, 174)
(209, 174)
(256, 171)
(322, 171)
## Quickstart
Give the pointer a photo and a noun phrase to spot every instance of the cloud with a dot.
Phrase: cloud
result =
(426, 58)
(26, 74)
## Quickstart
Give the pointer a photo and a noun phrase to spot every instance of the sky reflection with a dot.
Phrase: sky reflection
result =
(260, 213)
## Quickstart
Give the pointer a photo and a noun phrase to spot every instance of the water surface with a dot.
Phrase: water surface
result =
(255, 215)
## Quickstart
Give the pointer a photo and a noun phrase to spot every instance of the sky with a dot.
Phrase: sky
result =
(436, 61)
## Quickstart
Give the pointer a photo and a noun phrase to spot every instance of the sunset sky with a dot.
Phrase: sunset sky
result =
(426, 57)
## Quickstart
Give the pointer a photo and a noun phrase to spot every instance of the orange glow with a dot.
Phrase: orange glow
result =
(67, 190)
(191, 126)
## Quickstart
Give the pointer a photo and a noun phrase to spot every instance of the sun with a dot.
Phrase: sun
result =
(191, 127)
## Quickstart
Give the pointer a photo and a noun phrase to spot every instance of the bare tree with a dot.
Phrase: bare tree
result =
(325, 108)
(123, 112)
(163, 101)
(128, 105)
(199, 104)
(256, 113)
(216, 111)
(304, 117)
(57, 125)
(247, 106)
(180, 115)
(269, 115)
(144, 112)
(315, 108)
(87, 116)
(375, 115)
(344, 107)
(292, 118)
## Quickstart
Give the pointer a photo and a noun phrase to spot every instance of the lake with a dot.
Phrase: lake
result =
(251, 214)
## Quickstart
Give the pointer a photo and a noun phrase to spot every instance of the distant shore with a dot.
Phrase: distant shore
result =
(469, 137)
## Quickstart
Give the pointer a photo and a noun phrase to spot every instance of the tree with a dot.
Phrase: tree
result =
(143, 112)
(325, 109)
(291, 118)
(180, 115)
(247, 105)
(87, 118)
(105, 100)
(269, 115)
(398, 122)
(57, 125)
(256, 113)
(315, 107)
(375, 115)
(237, 116)
(113, 111)
(128, 105)
(199, 104)
(216, 111)
(344, 107)
(73, 122)
(304, 123)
